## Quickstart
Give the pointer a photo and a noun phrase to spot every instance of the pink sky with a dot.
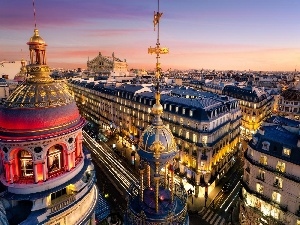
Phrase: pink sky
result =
(256, 35)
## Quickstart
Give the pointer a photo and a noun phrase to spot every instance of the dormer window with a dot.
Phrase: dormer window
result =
(183, 111)
(286, 152)
(254, 140)
(265, 145)
(170, 107)
(191, 112)
(165, 106)
(176, 109)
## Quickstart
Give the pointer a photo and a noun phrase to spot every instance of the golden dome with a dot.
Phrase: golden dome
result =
(157, 109)
(36, 38)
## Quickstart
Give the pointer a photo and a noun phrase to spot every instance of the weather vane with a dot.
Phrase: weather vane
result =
(157, 50)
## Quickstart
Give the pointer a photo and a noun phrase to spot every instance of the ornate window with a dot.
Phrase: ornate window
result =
(26, 163)
(55, 161)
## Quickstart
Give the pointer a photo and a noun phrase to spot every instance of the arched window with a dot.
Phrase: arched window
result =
(55, 158)
(25, 162)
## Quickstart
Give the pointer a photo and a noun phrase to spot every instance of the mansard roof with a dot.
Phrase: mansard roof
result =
(248, 93)
(204, 105)
(279, 138)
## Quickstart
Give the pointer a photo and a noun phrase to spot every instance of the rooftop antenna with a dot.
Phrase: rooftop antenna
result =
(34, 13)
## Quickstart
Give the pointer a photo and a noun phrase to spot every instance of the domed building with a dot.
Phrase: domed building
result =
(157, 200)
(49, 178)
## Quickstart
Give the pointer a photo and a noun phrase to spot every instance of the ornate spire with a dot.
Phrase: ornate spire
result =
(37, 69)
(157, 108)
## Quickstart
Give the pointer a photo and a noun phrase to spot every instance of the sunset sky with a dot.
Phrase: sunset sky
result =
(260, 35)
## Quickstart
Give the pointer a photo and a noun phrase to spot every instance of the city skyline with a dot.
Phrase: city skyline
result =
(219, 35)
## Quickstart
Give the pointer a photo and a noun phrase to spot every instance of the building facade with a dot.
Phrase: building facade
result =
(205, 125)
(109, 65)
(289, 104)
(271, 181)
(49, 178)
(256, 105)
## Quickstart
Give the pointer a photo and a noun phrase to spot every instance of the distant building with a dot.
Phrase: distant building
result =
(4, 90)
(108, 65)
(256, 105)
(271, 181)
(8, 69)
(289, 103)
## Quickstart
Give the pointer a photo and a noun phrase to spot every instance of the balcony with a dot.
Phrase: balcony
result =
(271, 169)
(282, 207)
(61, 202)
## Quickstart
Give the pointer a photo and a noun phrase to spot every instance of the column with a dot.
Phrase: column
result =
(11, 173)
(166, 176)
(172, 183)
(73, 158)
(35, 174)
(69, 161)
(148, 176)
(44, 171)
(141, 184)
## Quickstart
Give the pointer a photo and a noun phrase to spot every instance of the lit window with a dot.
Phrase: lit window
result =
(55, 158)
(204, 139)
(286, 152)
(181, 121)
(276, 196)
(261, 175)
(170, 107)
(180, 132)
(278, 182)
(263, 160)
(26, 163)
(280, 166)
(259, 188)
(191, 112)
(187, 135)
(194, 138)
(183, 111)
(176, 109)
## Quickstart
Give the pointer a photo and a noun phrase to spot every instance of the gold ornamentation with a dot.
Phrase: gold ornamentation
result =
(156, 18)
(157, 50)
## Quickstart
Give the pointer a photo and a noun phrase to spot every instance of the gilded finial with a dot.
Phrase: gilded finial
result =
(157, 107)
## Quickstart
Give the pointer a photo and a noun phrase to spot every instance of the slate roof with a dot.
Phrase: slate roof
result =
(201, 103)
(283, 121)
(247, 93)
(278, 137)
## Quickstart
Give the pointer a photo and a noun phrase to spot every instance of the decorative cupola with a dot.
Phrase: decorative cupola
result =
(154, 200)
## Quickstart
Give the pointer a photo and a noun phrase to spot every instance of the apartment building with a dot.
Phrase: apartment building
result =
(206, 126)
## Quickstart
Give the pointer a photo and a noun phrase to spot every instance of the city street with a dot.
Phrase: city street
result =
(120, 174)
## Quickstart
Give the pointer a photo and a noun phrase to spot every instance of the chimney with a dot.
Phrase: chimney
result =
(261, 130)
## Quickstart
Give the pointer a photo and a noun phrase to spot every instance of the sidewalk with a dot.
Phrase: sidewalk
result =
(196, 204)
